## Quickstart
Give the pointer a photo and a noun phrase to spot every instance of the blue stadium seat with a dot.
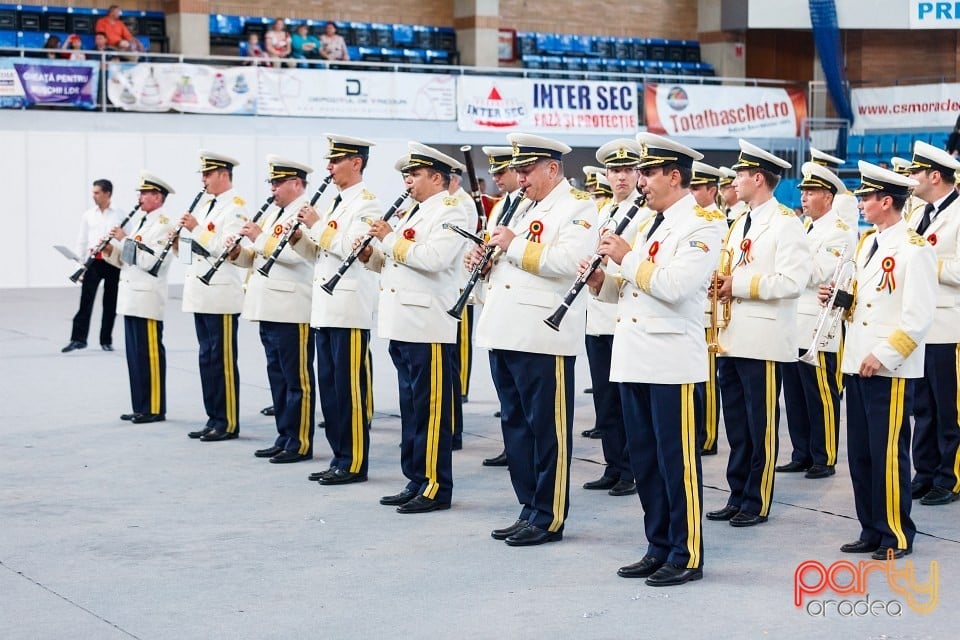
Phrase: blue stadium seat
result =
(363, 35)
(403, 36)
(392, 54)
(574, 63)
(939, 139)
(691, 51)
(623, 48)
(8, 38)
(532, 61)
(353, 52)
(705, 69)
(415, 56)
(688, 68)
(32, 39)
(225, 30)
(242, 48)
(651, 67)
(423, 36)
(54, 19)
(369, 54)
(255, 24)
(553, 63)
(526, 43)
(549, 43)
(382, 35)
(446, 39)
(601, 46)
(632, 66)
(612, 65)
(639, 49)
(886, 148)
(8, 17)
(593, 64)
(656, 49)
(854, 148)
(29, 18)
(868, 151)
(437, 56)
(904, 145)
(676, 50)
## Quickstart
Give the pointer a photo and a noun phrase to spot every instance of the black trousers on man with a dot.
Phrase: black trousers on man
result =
(110, 275)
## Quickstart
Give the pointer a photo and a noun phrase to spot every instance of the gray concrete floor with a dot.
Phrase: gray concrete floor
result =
(112, 530)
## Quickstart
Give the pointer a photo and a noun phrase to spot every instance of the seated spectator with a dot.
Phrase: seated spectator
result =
(332, 44)
(117, 34)
(53, 42)
(304, 44)
(254, 50)
(73, 48)
(277, 41)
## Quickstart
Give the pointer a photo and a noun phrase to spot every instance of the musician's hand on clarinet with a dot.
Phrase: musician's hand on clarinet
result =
(869, 366)
(595, 281)
(175, 238)
(188, 222)
(379, 230)
(251, 231)
(117, 233)
(501, 237)
(107, 250)
(473, 257)
(234, 244)
(308, 216)
(364, 255)
(614, 247)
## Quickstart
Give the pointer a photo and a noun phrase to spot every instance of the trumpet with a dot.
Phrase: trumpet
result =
(331, 284)
(457, 309)
(828, 322)
(264, 269)
(208, 276)
(557, 317)
(100, 247)
(719, 311)
(155, 269)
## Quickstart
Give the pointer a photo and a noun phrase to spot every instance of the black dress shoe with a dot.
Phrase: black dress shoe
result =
(647, 566)
(723, 514)
(127, 416)
(422, 504)
(532, 535)
(792, 467)
(464, 399)
(820, 471)
(938, 496)
(506, 532)
(496, 461)
(107, 347)
(593, 434)
(603, 482)
(403, 497)
(623, 488)
(286, 457)
(144, 418)
(217, 436)
(269, 452)
(317, 475)
(588, 390)
(342, 476)
(496, 414)
(268, 411)
(744, 519)
(670, 575)
(200, 433)
(860, 546)
(919, 489)
(708, 452)
(73, 345)
(885, 553)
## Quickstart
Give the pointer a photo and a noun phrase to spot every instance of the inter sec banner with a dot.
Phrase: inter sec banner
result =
(190, 88)
(546, 105)
(25, 82)
(920, 106)
(724, 111)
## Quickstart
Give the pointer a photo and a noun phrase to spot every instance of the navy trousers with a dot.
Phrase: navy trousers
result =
(708, 421)
(662, 436)
(878, 441)
(219, 374)
(342, 379)
(936, 436)
(146, 364)
(289, 348)
(424, 372)
(749, 392)
(812, 401)
(536, 405)
(606, 405)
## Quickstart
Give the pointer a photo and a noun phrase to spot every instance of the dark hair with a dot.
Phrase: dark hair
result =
(444, 175)
(770, 178)
(100, 33)
(686, 173)
(948, 177)
(105, 185)
(899, 201)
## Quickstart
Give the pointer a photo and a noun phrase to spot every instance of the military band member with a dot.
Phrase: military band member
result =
(620, 157)
(732, 205)
(342, 321)
(142, 300)
(508, 183)
(936, 439)
(914, 205)
(532, 366)
(704, 187)
(216, 308)
(771, 266)
(661, 294)
(844, 202)
(889, 314)
(810, 392)
(419, 282)
(596, 184)
(281, 304)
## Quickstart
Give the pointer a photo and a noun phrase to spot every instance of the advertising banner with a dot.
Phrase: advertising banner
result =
(921, 106)
(190, 88)
(925, 14)
(546, 105)
(50, 83)
(723, 111)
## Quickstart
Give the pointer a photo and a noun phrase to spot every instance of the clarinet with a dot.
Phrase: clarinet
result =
(457, 310)
(331, 284)
(264, 270)
(554, 320)
(474, 186)
(208, 276)
(155, 269)
(100, 247)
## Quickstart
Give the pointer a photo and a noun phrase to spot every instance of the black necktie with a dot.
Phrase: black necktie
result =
(656, 223)
(506, 204)
(873, 250)
(809, 227)
(336, 203)
(925, 220)
(410, 213)
(210, 208)
(746, 225)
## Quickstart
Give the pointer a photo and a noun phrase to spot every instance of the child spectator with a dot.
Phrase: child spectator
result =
(254, 50)
(73, 48)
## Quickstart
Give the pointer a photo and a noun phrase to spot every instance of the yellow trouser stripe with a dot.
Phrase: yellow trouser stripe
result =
(897, 387)
(433, 420)
(357, 408)
(369, 398)
(838, 372)
(826, 405)
(153, 354)
(229, 383)
(560, 422)
(305, 391)
(710, 410)
(691, 481)
(956, 459)
(464, 353)
(769, 439)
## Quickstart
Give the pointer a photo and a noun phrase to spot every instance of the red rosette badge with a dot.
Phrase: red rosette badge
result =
(211, 226)
(652, 251)
(535, 231)
(887, 280)
(332, 224)
(744, 252)
(408, 234)
(932, 239)
(278, 230)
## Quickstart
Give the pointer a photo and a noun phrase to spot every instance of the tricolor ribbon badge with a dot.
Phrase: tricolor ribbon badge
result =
(138, 238)
(332, 224)
(211, 226)
(700, 245)
(932, 239)
(408, 234)
(278, 230)
(745, 256)
(887, 280)
(535, 231)
(652, 251)
(582, 223)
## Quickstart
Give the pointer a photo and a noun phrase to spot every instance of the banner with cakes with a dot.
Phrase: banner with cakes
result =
(189, 88)
(25, 83)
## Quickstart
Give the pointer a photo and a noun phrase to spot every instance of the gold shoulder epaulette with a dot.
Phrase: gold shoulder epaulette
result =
(237, 200)
(368, 196)
(579, 195)
(915, 238)
(786, 211)
(863, 238)
(842, 225)
(451, 201)
(164, 220)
